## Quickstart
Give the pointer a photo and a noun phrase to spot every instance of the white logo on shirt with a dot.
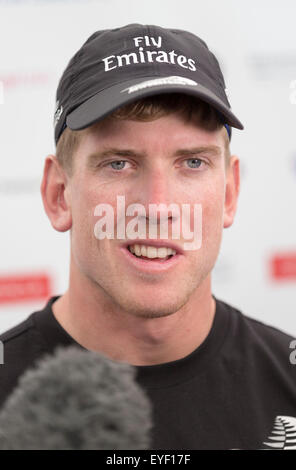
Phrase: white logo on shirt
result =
(283, 435)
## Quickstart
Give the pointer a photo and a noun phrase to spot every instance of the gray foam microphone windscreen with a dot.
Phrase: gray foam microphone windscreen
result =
(76, 399)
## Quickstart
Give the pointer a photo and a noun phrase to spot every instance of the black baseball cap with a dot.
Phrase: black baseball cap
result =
(115, 67)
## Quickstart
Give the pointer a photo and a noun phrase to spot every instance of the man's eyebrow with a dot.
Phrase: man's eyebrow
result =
(93, 158)
(209, 150)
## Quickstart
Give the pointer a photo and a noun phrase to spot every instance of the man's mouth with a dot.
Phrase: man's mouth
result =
(162, 253)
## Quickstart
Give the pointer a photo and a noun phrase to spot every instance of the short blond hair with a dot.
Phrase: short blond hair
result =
(148, 109)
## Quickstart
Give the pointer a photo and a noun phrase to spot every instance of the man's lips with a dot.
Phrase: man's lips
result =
(154, 264)
(154, 243)
(150, 265)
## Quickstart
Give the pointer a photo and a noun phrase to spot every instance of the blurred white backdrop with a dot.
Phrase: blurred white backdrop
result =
(255, 43)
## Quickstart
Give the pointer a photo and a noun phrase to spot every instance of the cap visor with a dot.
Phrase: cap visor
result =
(106, 101)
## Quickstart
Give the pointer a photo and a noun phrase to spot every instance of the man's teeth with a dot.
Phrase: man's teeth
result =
(151, 251)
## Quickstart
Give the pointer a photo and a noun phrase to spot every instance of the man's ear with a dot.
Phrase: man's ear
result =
(55, 191)
(231, 191)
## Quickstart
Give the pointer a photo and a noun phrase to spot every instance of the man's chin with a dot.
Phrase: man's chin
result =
(155, 309)
(151, 313)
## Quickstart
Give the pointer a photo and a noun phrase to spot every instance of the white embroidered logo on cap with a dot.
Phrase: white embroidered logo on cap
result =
(160, 81)
(58, 113)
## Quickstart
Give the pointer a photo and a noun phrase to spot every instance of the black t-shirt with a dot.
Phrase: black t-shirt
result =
(237, 390)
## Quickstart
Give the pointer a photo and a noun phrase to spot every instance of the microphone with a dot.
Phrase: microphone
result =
(76, 400)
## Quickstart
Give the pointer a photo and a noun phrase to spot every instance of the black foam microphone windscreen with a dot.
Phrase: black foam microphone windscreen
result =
(76, 400)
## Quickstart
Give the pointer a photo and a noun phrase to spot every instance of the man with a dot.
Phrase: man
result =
(142, 118)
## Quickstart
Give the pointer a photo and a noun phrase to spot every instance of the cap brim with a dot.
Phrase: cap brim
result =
(106, 101)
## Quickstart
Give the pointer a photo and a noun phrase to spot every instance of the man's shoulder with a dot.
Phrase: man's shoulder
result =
(257, 338)
(18, 333)
(27, 336)
(21, 346)
(26, 343)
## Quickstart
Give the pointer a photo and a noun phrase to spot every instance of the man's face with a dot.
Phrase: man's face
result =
(168, 160)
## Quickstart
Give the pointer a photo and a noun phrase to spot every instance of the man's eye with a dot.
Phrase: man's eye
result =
(194, 162)
(118, 164)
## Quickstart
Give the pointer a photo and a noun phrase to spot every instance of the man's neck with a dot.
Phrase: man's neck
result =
(98, 326)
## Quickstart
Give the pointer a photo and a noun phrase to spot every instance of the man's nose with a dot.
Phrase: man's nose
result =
(156, 186)
(157, 189)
